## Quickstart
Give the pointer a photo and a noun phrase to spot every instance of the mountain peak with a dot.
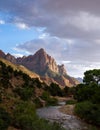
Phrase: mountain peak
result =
(45, 62)
(44, 65)
(2, 54)
(41, 50)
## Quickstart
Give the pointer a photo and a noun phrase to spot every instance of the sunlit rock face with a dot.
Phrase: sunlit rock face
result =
(44, 65)
(41, 62)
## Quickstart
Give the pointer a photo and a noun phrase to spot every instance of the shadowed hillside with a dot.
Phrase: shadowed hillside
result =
(19, 96)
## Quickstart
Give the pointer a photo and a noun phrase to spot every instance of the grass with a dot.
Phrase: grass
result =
(72, 101)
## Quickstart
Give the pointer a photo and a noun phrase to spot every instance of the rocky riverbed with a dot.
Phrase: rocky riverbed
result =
(68, 121)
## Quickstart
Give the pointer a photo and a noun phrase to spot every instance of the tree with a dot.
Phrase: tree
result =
(88, 111)
(85, 92)
(88, 97)
(5, 119)
(55, 90)
(92, 76)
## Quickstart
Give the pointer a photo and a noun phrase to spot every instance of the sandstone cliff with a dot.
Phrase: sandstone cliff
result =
(44, 65)
(41, 63)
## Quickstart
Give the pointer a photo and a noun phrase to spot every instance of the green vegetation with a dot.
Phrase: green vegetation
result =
(19, 99)
(69, 102)
(89, 111)
(55, 90)
(49, 100)
(88, 97)
(24, 117)
(5, 119)
(24, 93)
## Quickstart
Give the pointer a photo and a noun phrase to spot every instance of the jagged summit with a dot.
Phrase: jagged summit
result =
(44, 65)
(49, 62)
(41, 50)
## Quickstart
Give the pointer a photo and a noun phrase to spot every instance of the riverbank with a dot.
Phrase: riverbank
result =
(67, 109)
(68, 121)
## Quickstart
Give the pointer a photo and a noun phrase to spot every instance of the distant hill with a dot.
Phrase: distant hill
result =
(45, 66)
(80, 79)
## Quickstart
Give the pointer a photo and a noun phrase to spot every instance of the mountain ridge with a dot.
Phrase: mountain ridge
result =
(40, 62)
(45, 66)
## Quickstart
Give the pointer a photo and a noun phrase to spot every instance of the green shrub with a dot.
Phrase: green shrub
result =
(0, 98)
(37, 103)
(45, 96)
(89, 92)
(23, 115)
(65, 91)
(5, 119)
(24, 93)
(71, 102)
(88, 111)
(52, 102)
(95, 98)
(49, 100)
(25, 118)
(55, 90)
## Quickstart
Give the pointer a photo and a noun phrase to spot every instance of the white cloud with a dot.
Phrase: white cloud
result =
(71, 29)
(85, 21)
(53, 45)
(78, 68)
(22, 26)
(2, 22)
(17, 55)
(77, 57)
(20, 51)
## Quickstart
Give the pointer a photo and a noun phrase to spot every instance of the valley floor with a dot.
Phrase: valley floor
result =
(64, 115)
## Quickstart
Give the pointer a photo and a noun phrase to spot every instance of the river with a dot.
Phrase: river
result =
(69, 122)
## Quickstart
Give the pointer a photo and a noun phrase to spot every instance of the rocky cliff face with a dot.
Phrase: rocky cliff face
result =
(44, 65)
(2, 54)
(41, 62)
(10, 58)
(62, 69)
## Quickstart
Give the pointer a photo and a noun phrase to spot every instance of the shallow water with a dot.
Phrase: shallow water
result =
(69, 122)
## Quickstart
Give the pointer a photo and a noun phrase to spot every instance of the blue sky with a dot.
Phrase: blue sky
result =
(69, 30)
(11, 35)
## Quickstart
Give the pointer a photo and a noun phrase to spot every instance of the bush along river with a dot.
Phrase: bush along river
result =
(69, 122)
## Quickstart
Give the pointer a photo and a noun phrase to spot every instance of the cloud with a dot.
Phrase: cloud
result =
(78, 56)
(71, 29)
(2, 22)
(17, 55)
(85, 21)
(64, 49)
(62, 18)
(53, 45)
(77, 69)
(22, 26)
